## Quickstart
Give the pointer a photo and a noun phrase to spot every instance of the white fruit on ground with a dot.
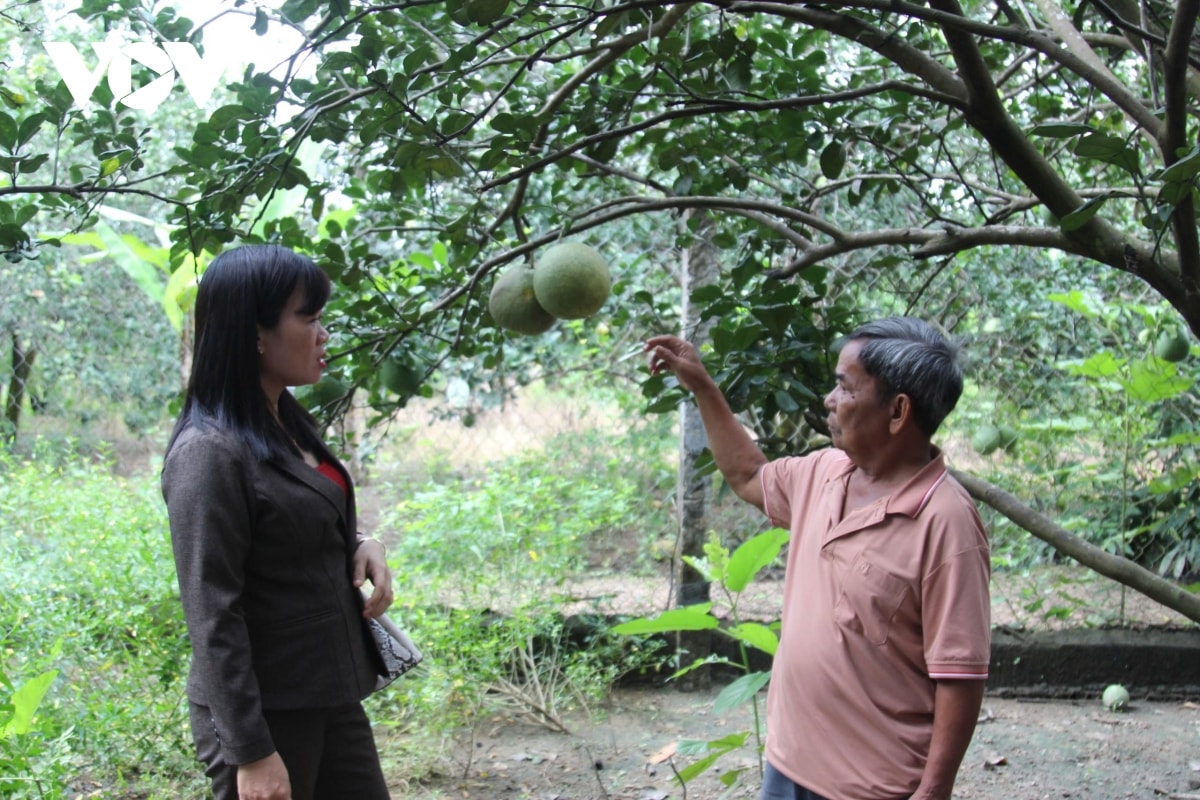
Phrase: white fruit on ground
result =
(1116, 697)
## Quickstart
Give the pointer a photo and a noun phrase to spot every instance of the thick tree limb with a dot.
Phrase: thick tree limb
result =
(1175, 139)
(917, 63)
(1121, 570)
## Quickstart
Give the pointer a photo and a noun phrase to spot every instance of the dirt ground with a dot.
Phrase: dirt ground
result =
(1022, 750)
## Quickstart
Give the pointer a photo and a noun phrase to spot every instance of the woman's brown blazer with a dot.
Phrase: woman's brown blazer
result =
(263, 553)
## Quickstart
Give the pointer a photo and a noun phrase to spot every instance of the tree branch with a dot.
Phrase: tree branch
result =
(892, 47)
(1074, 42)
(700, 110)
(1121, 570)
(1175, 68)
(931, 243)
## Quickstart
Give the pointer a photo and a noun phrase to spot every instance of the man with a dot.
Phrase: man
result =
(885, 640)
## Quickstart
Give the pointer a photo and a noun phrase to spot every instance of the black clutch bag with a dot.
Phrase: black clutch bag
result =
(397, 653)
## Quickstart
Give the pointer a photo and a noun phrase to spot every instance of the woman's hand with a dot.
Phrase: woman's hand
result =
(370, 563)
(265, 779)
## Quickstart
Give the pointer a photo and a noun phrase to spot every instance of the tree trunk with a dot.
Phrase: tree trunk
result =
(1121, 570)
(18, 384)
(699, 269)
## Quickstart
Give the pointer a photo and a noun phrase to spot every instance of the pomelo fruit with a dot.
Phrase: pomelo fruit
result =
(399, 375)
(513, 304)
(986, 439)
(324, 393)
(571, 280)
(1171, 346)
(1116, 697)
(1008, 436)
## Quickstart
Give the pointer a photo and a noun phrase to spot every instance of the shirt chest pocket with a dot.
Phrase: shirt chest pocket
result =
(869, 600)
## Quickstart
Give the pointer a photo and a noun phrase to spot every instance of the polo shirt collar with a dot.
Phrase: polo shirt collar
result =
(909, 500)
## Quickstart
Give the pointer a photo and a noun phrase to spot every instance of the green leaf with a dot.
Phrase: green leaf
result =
(776, 318)
(740, 692)
(35, 163)
(12, 99)
(1078, 302)
(29, 128)
(25, 703)
(691, 618)
(401, 376)
(1102, 365)
(1109, 149)
(751, 556)
(8, 132)
(734, 341)
(1154, 380)
(227, 115)
(697, 768)
(756, 635)
(786, 403)
(1080, 216)
(833, 160)
(1184, 169)
(485, 12)
(700, 747)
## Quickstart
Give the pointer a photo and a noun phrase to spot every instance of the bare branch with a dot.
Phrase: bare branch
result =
(713, 106)
(930, 243)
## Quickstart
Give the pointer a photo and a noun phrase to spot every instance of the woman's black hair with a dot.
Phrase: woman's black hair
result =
(242, 289)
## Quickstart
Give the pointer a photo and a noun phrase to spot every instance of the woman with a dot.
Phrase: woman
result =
(268, 558)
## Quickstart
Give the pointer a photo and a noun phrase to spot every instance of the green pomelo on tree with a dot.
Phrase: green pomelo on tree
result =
(322, 394)
(399, 375)
(514, 306)
(571, 280)
(1008, 436)
(1171, 346)
(986, 439)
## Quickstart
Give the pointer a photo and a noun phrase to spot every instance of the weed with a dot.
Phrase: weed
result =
(731, 574)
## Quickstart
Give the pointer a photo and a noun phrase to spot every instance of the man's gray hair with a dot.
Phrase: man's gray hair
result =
(909, 356)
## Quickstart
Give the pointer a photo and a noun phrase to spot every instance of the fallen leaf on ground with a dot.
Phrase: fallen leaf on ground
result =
(663, 754)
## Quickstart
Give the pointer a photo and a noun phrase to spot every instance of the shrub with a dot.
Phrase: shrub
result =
(88, 594)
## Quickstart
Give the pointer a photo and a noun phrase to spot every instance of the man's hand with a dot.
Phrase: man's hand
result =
(370, 563)
(736, 454)
(956, 705)
(265, 779)
(675, 355)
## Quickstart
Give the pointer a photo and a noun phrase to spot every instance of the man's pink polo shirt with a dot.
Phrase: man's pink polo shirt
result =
(877, 607)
